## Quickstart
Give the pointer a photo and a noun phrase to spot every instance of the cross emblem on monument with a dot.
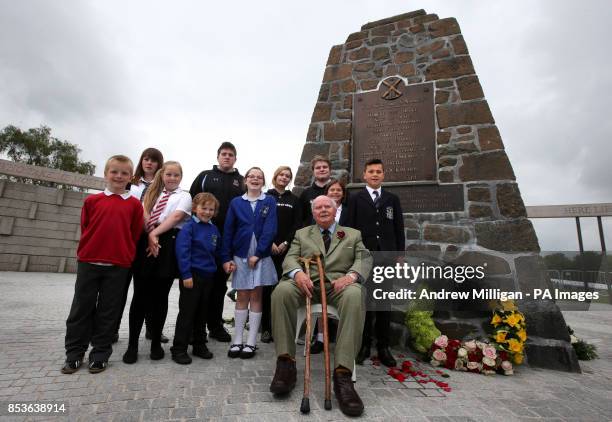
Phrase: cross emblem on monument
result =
(392, 92)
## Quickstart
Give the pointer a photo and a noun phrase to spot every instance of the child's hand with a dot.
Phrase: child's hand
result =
(229, 267)
(253, 261)
(153, 248)
(188, 283)
(275, 250)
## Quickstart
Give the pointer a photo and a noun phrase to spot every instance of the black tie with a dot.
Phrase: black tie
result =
(142, 195)
(326, 239)
(376, 198)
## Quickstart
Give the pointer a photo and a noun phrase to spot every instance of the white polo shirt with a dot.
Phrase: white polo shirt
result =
(179, 200)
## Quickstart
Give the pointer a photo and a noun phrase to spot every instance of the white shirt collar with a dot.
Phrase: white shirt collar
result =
(260, 198)
(197, 220)
(124, 195)
(371, 191)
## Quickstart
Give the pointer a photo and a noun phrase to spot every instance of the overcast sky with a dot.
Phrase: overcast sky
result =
(117, 77)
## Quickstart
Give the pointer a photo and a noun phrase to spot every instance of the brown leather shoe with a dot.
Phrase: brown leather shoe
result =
(284, 377)
(348, 399)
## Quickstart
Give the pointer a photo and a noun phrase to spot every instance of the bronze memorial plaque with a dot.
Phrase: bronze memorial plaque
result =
(429, 198)
(426, 198)
(396, 124)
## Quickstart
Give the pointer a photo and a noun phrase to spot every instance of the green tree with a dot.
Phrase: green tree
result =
(37, 147)
(559, 261)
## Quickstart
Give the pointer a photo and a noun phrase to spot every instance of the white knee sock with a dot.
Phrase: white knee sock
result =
(254, 322)
(240, 317)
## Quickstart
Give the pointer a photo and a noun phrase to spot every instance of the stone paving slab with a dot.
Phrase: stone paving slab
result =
(34, 306)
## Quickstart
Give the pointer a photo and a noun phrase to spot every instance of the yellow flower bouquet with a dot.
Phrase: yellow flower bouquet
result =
(509, 332)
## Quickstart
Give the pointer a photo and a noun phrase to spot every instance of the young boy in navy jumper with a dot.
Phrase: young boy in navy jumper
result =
(111, 222)
(197, 250)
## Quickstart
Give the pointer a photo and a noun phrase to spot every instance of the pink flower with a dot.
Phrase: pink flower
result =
(489, 352)
(474, 365)
(506, 365)
(462, 352)
(441, 341)
(439, 355)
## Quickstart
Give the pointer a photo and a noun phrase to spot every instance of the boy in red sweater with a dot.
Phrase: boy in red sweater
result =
(111, 223)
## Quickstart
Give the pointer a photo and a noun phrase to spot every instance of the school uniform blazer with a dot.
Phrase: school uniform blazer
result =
(346, 253)
(381, 225)
(344, 215)
(240, 224)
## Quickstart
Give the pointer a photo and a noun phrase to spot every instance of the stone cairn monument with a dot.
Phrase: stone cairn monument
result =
(404, 89)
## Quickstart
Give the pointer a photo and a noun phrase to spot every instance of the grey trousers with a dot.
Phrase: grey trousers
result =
(286, 300)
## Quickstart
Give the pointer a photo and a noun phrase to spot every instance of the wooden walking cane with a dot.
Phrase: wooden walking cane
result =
(327, 403)
(305, 406)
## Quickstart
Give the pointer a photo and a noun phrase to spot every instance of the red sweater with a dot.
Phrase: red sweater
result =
(110, 228)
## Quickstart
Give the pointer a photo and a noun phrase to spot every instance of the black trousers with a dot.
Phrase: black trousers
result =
(378, 316)
(95, 309)
(214, 314)
(380, 321)
(193, 304)
(150, 302)
(124, 299)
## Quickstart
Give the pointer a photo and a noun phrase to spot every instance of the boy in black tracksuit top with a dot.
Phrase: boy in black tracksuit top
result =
(378, 215)
(225, 183)
(321, 170)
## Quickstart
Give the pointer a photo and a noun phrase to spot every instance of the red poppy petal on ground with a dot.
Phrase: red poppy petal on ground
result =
(447, 389)
(422, 382)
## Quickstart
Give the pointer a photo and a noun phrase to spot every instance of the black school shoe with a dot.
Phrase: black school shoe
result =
(157, 352)
(182, 358)
(234, 353)
(220, 334)
(71, 366)
(97, 366)
(202, 352)
(130, 356)
(316, 347)
(247, 351)
(266, 337)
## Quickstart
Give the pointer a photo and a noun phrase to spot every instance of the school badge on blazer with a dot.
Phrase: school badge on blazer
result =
(265, 210)
(213, 240)
(389, 213)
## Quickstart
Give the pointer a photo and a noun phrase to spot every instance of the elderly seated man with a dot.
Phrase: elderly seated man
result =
(347, 264)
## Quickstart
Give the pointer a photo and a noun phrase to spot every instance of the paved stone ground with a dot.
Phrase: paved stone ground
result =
(34, 306)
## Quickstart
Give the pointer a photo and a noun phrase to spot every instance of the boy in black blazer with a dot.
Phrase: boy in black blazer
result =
(378, 215)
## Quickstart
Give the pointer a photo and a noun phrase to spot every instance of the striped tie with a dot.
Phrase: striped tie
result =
(157, 210)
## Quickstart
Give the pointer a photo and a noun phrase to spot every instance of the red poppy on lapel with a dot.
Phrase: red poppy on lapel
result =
(340, 235)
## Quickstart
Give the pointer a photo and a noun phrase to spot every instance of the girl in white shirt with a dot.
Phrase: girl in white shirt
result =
(166, 209)
(150, 161)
